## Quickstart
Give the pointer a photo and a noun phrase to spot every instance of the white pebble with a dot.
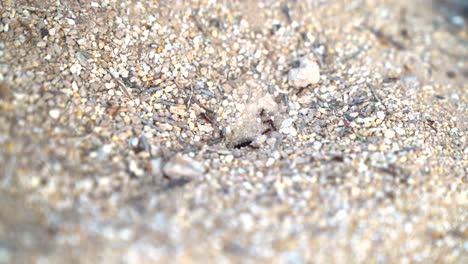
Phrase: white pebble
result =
(389, 133)
(307, 73)
(400, 131)
(381, 115)
(135, 169)
(287, 122)
(75, 69)
(54, 113)
(41, 44)
(270, 162)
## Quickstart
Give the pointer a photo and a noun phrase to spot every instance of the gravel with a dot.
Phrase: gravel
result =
(232, 131)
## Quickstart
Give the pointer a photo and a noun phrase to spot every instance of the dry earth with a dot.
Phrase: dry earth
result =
(167, 131)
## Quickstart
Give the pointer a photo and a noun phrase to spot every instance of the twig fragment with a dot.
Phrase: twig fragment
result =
(384, 38)
(152, 125)
(199, 25)
(287, 12)
(151, 89)
(122, 86)
(354, 55)
(166, 102)
(377, 98)
(27, 27)
(34, 9)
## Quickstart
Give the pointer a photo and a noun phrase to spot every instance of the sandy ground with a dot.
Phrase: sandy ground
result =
(168, 131)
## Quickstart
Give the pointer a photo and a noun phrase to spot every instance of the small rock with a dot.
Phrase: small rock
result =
(104, 152)
(229, 158)
(135, 169)
(133, 142)
(307, 73)
(5, 92)
(389, 133)
(247, 221)
(126, 234)
(400, 131)
(227, 88)
(82, 57)
(270, 162)
(75, 69)
(139, 144)
(287, 123)
(143, 144)
(457, 21)
(259, 140)
(41, 44)
(156, 166)
(182, 166)
(71, 22)
(381, 115)
(54, 113)
(240, 107)
(44, 32)
(287, 127)
(289, 131)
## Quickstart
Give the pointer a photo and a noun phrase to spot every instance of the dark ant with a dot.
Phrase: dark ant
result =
(268, 130)
(205, 117)
(271, 124)
(218, 134)
(267, 120)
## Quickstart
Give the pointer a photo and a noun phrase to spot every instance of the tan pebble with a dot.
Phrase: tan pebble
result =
(229, 158)
(75, 69)
(127, 119)
(381, 115)
(41, 44)
(270, 162)
(240, 107)
(389, 133)
(400, 131)
(307, 73)
(355, 191)
(372, 147)
(462, 198)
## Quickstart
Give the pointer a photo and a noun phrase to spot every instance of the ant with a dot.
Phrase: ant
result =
(268, 121)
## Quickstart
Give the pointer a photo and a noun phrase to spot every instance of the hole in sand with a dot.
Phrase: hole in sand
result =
(242, 143)
(256, 120)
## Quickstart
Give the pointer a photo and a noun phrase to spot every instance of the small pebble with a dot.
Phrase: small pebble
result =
(400, 131)
(135, 169)
(41, 44)
(156, 165)
(389, 133)
(307, 73)
(182, 166)
(54, 113)
(381, 115)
